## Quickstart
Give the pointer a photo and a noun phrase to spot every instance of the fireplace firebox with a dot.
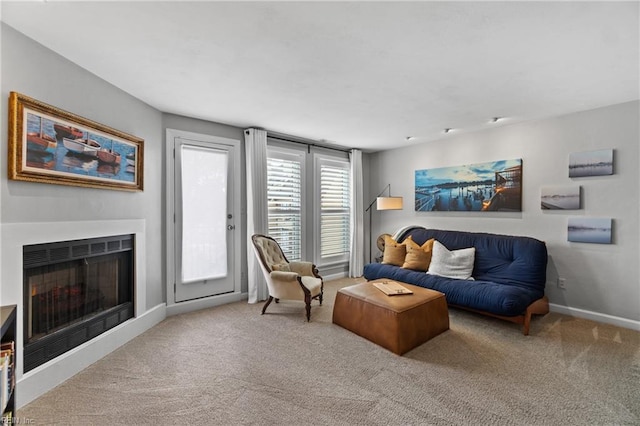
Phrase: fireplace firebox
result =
(73, 292)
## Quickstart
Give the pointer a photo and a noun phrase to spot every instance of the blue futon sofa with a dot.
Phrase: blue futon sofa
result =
(509, 273)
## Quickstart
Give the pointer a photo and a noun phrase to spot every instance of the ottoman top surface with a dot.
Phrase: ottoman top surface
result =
(397, 303)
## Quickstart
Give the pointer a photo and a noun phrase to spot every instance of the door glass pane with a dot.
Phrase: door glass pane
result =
(204, 213)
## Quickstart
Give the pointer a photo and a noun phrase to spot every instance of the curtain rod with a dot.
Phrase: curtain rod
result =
(308, 144)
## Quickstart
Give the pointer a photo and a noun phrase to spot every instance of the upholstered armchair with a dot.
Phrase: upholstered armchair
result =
(286, 280)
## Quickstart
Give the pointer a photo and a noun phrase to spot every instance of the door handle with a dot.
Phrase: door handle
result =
(231, 227)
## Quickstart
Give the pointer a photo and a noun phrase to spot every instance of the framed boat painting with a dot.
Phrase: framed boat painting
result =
(50, 145)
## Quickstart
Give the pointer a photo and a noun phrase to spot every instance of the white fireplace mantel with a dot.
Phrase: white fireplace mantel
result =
(16, 235)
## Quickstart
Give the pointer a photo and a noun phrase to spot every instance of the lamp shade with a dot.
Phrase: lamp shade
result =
(389, 203)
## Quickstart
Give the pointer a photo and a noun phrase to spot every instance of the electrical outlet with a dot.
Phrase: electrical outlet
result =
(562, 282)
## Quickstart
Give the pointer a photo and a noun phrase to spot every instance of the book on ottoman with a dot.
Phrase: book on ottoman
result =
(392, 288)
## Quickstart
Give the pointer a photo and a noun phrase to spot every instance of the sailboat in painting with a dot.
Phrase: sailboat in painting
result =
(131, 162)
(40, 141)
(63, 131)
(88, 146)
(109, 156)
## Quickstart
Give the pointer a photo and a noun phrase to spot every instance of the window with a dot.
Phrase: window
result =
(314, 228)
(285, 183)
(334, 209)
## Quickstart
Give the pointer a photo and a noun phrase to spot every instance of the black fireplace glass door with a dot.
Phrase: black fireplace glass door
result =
(62, 294)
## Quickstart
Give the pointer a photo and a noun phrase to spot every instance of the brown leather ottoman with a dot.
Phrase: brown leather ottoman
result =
(398, 323)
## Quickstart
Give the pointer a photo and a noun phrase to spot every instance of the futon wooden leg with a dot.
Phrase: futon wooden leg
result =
(539, 307)
(527, 322)
(264, 308)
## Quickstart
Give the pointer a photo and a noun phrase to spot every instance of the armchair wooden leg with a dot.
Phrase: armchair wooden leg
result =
(264, 308)
(307, 301)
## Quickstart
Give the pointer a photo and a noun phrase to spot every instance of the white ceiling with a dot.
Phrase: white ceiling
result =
(356, 74)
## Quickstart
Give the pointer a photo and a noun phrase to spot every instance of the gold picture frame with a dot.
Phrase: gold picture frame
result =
(50, 145)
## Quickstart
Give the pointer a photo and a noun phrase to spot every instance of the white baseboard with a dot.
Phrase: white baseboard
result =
(595, 316)
(47, 376)
(205, 302)
(335, 276)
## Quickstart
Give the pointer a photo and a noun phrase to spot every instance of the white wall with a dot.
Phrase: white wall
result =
(602, 279)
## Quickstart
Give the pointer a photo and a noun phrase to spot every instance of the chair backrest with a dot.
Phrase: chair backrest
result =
(268, 251)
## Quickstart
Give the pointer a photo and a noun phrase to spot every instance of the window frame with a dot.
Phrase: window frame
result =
(334, 161)
(300, 156)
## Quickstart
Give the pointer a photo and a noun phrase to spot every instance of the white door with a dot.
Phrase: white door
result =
(206, 200)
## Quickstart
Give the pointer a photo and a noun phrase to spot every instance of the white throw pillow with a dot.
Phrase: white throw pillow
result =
(452, 263)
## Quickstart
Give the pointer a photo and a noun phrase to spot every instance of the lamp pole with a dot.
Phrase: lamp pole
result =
(370, 210)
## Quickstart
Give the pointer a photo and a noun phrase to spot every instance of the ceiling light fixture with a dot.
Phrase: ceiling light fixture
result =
(447, 130)
(496, 119)
(409, 138)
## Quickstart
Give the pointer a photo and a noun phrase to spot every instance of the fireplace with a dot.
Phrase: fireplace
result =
(73, 292)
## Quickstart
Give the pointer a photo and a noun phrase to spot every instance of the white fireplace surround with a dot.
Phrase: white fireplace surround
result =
(36, 382)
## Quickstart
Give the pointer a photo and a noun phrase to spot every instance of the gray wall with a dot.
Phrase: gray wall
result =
(600, 278)
(31, 69)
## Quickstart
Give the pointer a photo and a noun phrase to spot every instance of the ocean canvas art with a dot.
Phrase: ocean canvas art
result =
(560, 197)
(491, 186)
(589, 230)
(591, 163)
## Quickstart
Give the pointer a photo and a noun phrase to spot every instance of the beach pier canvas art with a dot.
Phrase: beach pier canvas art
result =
(591, 163)
(589, 230)
(491, 186)
(560, 197)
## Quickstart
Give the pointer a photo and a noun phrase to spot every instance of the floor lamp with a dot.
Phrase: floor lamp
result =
(382, 203)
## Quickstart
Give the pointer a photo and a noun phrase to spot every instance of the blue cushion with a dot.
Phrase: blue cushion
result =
(509, 271)
(499, 258)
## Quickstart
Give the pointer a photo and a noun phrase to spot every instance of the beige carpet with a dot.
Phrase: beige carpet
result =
(230, 365)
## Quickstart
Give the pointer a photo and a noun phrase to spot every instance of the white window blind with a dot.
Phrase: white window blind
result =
(284, 192)
(334, 209)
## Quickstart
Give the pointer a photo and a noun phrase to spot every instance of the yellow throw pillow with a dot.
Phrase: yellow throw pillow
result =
(418, 257)
(410, 243)
(394, 252)
(427, 246)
